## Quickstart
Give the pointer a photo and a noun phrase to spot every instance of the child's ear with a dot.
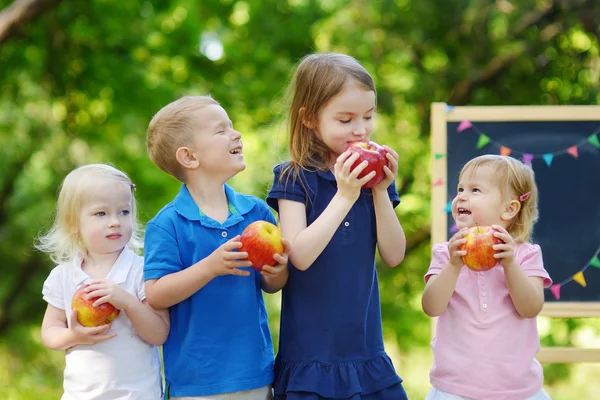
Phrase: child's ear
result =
(186, 158)
(511, 210)
(306, 119)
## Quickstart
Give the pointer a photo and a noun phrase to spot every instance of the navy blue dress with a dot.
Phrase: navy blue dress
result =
(331, 344)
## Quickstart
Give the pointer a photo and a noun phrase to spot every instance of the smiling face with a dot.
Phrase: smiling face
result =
(479, 200)
(216, 147)
(347, 117)
(105, 219)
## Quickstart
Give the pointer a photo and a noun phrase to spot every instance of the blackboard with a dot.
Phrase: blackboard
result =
(562, 145)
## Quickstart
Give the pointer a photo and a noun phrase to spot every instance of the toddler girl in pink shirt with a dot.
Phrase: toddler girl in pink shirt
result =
(486, 337)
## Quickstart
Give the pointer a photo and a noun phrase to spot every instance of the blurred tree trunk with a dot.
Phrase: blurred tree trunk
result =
(21, 12)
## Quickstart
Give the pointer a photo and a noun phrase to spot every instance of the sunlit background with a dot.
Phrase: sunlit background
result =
(80, 81)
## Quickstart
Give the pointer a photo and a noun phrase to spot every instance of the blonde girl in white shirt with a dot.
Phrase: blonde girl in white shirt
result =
(92, 240)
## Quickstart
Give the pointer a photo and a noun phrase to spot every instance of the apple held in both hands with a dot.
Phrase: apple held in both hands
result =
(480, 253)
(376, 156)
(261, 240)
(87, 314)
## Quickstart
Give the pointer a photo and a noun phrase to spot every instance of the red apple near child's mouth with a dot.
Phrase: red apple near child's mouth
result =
(87, 314)
(261, 240)
(375, 154)
(480, 253)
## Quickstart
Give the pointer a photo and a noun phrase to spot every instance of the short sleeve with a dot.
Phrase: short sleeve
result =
(52, 290)
(285, 186)
(440, 257)
(529, 256)
(393, 193)
(161, 252)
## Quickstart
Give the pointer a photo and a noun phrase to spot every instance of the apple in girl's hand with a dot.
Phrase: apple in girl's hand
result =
(374, 154)
(261, 240)
(480, 254)
(87, 314)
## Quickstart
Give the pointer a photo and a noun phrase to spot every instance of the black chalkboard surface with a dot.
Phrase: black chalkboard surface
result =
(568, 229)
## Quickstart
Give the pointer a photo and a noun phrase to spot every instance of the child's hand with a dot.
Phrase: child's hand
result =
(391, 170)
(226, 261)
(109, 292)
(454, 248)
(348, 183)
(282, 261)
(506, 250)
(85, 335)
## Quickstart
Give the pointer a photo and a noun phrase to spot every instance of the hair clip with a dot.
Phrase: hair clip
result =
(525, 196)
(133, 187)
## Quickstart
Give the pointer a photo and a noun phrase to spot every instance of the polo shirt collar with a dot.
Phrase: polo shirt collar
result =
(327, 174)
(185, 205)
(117, 274)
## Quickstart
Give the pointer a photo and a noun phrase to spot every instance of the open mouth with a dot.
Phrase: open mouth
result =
(237, 150)
(463, 211)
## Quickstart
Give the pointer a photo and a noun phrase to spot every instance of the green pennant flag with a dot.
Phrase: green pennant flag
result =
(593, 139)
(439, 155)
(595, 262)
(483, 140)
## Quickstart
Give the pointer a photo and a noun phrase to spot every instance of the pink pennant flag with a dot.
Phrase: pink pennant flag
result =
(527, 158)
(555, 289)
(573, 151)
(438, 182)
(464, 125)
(454, 229)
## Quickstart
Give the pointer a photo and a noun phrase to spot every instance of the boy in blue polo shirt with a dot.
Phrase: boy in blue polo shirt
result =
(219, 345)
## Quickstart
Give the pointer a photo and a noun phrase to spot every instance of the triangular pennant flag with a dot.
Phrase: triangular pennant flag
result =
(555, 289)
(449, 108)
(454, 229)
(483, 140)
(439, 155)
(595, 262)
(593, 139)
(448, 207)
(438, 182)
(527, 158)
(573, 151)
(579, 278)
(464, 125)
(548, 158)
(504, 151)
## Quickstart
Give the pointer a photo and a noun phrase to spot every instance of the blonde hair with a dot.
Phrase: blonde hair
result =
(63, 239)
(173, 127)
(518, 179)
(318, 78)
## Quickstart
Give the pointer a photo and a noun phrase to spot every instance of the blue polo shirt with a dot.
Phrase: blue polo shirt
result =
(219, 340)
(331, 341)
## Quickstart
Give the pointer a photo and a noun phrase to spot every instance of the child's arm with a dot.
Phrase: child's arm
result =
(274, 278)
(391, 240)
(152, 325)
(308, 242)
(173, 288)
(526, 292)
(439, 288)
(58, 335)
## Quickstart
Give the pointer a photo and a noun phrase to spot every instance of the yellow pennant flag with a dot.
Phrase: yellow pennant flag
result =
(579, 278)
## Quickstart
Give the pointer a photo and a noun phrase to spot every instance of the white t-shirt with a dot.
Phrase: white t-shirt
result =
(124, 367)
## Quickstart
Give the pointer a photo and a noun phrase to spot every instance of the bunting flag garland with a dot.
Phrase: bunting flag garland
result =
(578, 277)
(483, 140)
(437, 182)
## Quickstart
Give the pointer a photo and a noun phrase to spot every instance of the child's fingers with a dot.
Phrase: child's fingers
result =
(503, 247)
(356, 171)
(103, 299)
(97, 330)
(365, 178)
(239, 272)
(235, 255)
(342, 158)
(280, 259)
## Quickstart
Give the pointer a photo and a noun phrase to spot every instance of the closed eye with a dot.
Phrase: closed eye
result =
(343, 121)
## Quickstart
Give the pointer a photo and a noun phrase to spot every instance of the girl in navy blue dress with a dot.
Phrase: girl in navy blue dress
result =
(331, 344)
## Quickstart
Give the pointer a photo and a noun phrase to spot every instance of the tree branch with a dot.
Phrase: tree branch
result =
(19, 13)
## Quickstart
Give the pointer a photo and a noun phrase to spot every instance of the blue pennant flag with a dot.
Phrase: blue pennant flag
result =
(548, 158)
(448, 207)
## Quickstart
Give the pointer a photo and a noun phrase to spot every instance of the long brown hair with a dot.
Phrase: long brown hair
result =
(318, 78)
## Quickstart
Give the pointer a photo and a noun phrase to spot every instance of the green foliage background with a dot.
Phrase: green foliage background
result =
(80, 81)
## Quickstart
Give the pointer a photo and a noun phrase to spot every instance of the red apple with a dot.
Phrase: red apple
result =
(261, 240)
(480, 254)
(374, 154)
(87, 314)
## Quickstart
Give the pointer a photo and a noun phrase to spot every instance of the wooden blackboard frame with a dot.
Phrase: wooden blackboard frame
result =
(441, 115)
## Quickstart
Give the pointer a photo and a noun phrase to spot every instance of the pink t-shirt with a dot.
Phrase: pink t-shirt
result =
(482, 348)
